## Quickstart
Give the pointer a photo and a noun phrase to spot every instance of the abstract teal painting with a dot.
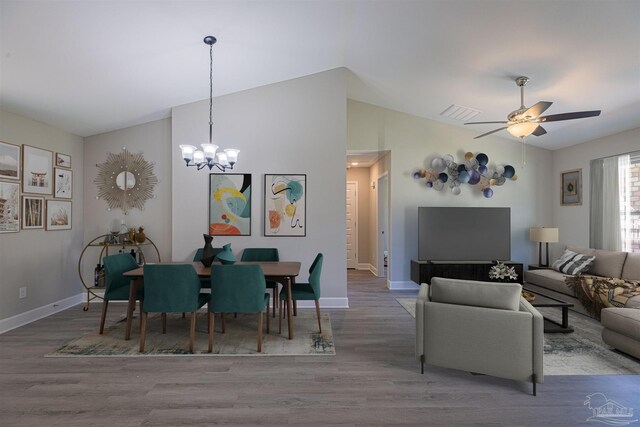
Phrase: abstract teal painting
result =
(229, 204)
(285, 205)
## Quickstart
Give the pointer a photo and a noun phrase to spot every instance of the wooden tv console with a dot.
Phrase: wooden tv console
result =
(423, 271)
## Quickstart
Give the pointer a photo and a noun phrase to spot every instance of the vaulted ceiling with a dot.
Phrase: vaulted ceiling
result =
(94, 66)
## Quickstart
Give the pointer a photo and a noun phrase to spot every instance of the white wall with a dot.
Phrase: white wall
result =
(293, 127)
(153, 139)
(573, 221)
(413, 141)
(43, 261)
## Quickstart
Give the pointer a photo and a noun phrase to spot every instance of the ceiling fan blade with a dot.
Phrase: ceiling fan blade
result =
(539, 131)
(485, 123)
(568, 116)
(537, 109)
(489, 133)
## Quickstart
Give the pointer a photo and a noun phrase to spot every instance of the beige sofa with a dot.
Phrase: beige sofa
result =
(607, 264)
(621, 324)
(481, 327)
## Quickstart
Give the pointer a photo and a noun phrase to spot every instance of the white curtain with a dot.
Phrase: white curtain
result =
(624, 184)
(611, 230)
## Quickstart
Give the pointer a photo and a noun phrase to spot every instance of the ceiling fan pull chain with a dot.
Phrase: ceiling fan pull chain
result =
(524, 161)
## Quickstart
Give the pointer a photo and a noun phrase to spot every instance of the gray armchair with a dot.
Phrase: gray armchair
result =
(482, 327)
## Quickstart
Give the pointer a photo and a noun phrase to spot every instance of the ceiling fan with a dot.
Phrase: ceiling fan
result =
(526, 121)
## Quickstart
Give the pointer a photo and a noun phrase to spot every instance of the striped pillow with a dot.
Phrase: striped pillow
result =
(573, 263)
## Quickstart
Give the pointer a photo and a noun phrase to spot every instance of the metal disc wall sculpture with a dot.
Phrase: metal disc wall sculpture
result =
(125, 181)
(473, 170)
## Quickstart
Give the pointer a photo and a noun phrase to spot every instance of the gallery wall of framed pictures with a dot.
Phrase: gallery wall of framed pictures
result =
(36, 189)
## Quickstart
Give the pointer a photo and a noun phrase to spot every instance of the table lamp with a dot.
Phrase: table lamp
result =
(543, 235)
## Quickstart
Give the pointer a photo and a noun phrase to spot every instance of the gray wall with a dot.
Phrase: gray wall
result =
(44, 261)
(413, 142)
(573, 221)
(293, 127)
(153, 139)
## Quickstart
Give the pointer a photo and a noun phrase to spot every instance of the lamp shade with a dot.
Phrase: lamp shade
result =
(543, 234)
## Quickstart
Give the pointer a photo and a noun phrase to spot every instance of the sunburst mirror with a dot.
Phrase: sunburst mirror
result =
(125, 181)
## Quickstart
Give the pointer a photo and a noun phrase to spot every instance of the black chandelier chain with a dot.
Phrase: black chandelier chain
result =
(210, 93)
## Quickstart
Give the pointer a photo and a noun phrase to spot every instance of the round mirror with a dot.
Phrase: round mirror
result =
(125, 180)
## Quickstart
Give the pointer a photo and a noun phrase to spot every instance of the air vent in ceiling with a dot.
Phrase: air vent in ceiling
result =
(458, 112)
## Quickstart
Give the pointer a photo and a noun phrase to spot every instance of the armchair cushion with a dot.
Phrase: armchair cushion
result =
(503, 296)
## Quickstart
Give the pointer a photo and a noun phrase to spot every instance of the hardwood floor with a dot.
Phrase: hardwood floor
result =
(373, 380)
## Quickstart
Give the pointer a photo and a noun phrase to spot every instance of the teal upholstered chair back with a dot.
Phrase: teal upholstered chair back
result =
(170, 288)
(198, 255)
(116, 285)
(314, 275)
(237, 289)
(260, 254)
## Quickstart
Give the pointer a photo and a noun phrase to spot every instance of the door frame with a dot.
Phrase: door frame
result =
(382, 205)
(355, 246)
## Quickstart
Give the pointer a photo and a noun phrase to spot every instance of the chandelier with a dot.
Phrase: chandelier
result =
(209, 155)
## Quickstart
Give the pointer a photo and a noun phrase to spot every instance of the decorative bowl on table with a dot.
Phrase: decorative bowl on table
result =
(528, 296)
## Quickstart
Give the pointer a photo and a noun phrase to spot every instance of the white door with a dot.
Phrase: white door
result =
(352, 231)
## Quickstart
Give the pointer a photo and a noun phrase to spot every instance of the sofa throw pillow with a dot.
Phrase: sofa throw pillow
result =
(573, 263)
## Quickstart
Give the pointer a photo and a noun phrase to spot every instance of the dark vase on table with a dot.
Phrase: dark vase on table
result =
(207, 251)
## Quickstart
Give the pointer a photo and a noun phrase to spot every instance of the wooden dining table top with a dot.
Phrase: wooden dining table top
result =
(269, 268)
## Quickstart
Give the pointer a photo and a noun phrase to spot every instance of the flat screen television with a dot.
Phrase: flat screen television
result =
(464, 234)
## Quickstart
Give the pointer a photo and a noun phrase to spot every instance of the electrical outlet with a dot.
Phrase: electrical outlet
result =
(23, 292)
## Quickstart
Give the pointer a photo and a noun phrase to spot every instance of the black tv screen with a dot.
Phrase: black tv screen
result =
(464, 234)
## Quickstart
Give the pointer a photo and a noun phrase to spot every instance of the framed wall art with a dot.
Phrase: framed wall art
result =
(571, 193)
(63, 183)
(37, 170)
(285, 210)
(9, 207)
(58, 215)
(63, 160)
(229, 204)
(9, 161)
(32, 212)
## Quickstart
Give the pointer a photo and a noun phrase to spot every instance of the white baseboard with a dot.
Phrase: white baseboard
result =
(326, 303)
(40, 312)
(403, 285)
(364, 266)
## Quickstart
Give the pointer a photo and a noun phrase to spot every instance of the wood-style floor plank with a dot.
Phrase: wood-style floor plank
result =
(374, 379)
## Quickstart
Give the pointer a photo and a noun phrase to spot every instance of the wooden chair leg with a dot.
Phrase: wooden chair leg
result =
(143, 330)
(192, 332)
(212, 319)
(318, 314)
(141, 302)
(224, 323)
(275, 301)
(295, 307)
(268, 321)
(183, 316)
(105, 304)
(280, 318)
(164, 323)
(260, 332)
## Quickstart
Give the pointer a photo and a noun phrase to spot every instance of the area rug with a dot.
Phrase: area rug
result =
(239, 339)
(581, 352)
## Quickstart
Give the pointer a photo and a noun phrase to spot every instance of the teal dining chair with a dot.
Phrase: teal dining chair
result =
(237, 289)
(306, 291)
(264, 254)
(117, 286)
(171, 288)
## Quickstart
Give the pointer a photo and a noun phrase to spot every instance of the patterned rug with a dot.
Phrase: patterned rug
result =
(239, 339)
(581, 352)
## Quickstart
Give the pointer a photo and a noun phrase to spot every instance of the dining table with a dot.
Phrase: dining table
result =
(283, 272)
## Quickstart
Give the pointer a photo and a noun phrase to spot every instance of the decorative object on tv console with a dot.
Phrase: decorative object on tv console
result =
(125, 181)
(473, 170)
(502, 273)
(209, 156)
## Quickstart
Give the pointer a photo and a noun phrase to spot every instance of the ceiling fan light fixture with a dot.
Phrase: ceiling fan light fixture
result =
(520, 130)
